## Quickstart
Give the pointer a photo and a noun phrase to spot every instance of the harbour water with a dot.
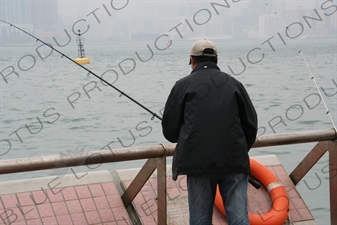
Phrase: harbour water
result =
(53, 107)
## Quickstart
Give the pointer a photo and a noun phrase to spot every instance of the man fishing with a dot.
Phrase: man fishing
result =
(211, 117)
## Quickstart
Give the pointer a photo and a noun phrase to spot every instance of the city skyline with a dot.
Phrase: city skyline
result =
(134, 20)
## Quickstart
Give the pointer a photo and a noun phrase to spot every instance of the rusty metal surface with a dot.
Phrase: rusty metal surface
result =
(161, 191)
(295, 138)
(87, 158)
(333, 181)
(139, 181)
(308, 162)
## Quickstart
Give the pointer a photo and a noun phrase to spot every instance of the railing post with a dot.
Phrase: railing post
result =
(142, 177)
(161, 191)
(138, 182)
(333, 181)
(309, 161)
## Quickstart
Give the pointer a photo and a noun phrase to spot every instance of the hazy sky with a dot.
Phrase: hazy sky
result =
(75, 7)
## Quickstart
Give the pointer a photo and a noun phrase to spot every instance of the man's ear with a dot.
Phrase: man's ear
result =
(193, 63)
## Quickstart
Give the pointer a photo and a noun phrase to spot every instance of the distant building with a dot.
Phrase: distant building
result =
(269, 25)
(44, 14)
(38, 17)
(264, 17)
(16, 12)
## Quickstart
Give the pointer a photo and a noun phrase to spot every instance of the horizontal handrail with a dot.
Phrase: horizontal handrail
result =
(295, 138)
(84, 158)
(146, 152)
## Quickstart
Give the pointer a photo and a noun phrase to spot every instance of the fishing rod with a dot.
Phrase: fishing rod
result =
(312, 77)
(89, 71)
(254, 182)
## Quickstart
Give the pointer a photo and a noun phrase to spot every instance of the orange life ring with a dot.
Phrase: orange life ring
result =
(280, 207)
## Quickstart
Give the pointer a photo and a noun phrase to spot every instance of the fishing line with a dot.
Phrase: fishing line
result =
(254, 182)
(89, 71)
(307, 66)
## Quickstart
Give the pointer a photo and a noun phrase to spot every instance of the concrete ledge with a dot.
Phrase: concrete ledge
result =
(268, 160)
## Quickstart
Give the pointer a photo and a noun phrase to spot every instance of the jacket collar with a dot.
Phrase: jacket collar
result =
(205, 65)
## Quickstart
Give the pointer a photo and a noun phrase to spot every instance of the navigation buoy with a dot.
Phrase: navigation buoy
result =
(81, 55)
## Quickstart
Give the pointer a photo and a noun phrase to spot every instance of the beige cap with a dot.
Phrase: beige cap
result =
(204, 47)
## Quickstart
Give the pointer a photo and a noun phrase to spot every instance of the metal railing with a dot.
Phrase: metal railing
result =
(156, 156)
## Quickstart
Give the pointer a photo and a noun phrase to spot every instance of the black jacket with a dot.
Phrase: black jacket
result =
(211, 116)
